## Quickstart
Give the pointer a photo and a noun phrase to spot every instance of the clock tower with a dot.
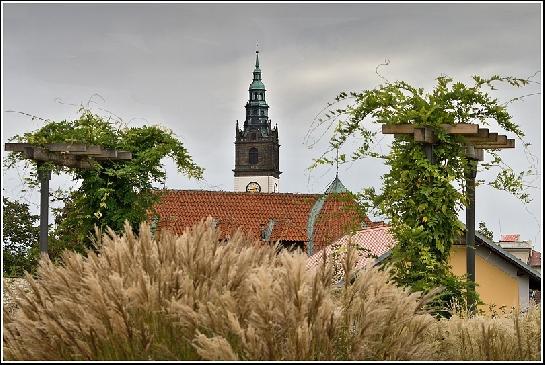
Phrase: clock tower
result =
(256, 144)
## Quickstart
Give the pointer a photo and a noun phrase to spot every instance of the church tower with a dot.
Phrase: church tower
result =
(256, 145)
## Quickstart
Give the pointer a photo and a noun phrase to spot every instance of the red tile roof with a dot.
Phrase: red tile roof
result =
(253, 213)
(374, 242)
(535, 259)
(510, 238)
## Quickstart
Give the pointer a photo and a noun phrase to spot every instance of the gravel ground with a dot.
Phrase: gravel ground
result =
(12, 283)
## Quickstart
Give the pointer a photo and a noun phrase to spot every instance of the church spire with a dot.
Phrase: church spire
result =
(256, 145)
(257, 108)
(257, 84)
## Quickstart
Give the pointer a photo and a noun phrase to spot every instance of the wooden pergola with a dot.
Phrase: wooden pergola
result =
(477, 140)
(75, 155)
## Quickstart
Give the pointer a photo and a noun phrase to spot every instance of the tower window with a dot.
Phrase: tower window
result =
(253, 156)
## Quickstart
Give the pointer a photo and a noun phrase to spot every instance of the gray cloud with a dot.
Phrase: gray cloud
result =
(188, 67)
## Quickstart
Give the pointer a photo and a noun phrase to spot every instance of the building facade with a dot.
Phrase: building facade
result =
(503, 280)
(256, 144)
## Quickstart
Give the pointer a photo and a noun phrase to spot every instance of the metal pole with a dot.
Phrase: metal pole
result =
(471, 174)
(44, 176)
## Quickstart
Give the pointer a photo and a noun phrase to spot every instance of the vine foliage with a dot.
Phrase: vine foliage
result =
(112, 191)
(422, 198)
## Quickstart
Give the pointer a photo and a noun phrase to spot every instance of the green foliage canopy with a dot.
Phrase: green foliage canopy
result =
(111, 191)
(20, 236)
(421, 198)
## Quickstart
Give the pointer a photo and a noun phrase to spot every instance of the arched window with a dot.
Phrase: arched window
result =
(253, 156)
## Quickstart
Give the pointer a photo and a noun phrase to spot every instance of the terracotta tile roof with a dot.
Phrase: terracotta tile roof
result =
(375, 241)
(535, 259)
(378, 240)
(286, 213)
(510, 238)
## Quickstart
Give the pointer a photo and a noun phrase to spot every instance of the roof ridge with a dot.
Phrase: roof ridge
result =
(236, 192)
(378, 226)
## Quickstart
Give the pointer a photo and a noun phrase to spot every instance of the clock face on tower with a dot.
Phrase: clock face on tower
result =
(253, 187)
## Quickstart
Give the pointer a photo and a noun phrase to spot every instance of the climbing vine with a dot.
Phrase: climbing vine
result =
(111, 191)
(422, 198)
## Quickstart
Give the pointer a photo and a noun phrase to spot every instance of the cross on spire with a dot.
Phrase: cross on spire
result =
(257, 56)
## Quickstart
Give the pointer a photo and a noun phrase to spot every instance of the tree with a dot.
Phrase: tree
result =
(422, 198)
(111, 192)
(20, 238)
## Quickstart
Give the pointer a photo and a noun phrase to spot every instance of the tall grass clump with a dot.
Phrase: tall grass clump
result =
(195, 297)
(512, 335)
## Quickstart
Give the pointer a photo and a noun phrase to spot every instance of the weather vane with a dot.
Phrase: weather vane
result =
(257, 47)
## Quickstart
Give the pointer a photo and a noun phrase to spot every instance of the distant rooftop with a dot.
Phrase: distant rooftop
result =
(520, 244)
(510, 238)
(513, 241)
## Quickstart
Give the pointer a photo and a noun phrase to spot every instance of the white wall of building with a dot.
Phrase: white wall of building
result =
(520, 249)
(269, 184)
(524, 291)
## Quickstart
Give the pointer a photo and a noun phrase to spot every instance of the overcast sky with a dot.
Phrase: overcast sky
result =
(188, 67)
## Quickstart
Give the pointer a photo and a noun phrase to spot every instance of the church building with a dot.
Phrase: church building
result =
(256, 144)
(307, 222)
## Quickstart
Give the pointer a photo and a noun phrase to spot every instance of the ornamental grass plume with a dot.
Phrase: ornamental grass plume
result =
(512, 335)
(196, 297)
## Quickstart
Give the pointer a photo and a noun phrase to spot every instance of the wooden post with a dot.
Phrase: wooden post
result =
(44, 175)
(428, 150)
(471, 174)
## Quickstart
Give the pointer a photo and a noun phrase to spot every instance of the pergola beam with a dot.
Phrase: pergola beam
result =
(68, 149)
(43, 155)
(460, 128)
(478, 137)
